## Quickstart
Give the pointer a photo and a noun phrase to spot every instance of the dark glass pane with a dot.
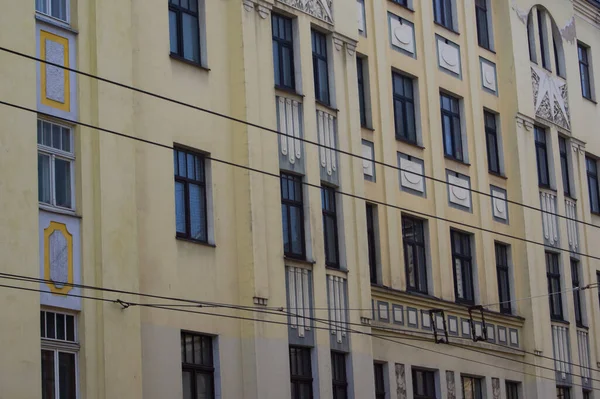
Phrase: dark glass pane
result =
(42, 324)
(398, 85)
(330, 240)
(197, 349)
(191, 168)
(399, 118)
(458, 153)
(276, 64)
(180, 212)
(48, 378)
(44, 188)
(197, 206)
(47, 134)
(447, 131)
(182, 163)
(410, 122)
(173, 31)
(62, 179)
(191, 46)
(187, 385)
(286, 55)
(286, 232)
(50, 323)
(60, 326)
(296, 227)
(66, 139)
(203, 386)
(70, 328)
(67, 375)
(189, 349)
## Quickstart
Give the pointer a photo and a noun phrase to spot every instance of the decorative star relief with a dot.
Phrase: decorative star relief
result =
(550, 96)
(321, 9)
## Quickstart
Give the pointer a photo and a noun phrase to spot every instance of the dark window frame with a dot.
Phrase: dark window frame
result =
(541, 150)
(563, 392)
(403, 3)
(339, 378)
(329, 211)
(362, 87)
(463, 254)
(206, 368)
(482, 21)
(405, 103)
(491, 142)
(477, 383)
(427, 389)
(564, 165)
(298, 203)
(443, 13)
(577, 299)
(379, 372)
(372, 241)
(554, 286)
(187, 182)
(542, 39)
(418, 247)
(598, 282)
(584, 70)
(503, 275)
(304, 377)
(454, 129)
(512, 389)
(320, 60)
(592, 176)
(280, 43)
(179, 11)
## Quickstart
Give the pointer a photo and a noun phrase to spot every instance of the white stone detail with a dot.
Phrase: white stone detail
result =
(562, 354)
(426, 319)
(383, 311)
(299, 299)
(411, 175)
(55, 76)
(402, 34)
(448, 56)
(439, 322)
(360, 9)
(59, 258)
(398, 315)
(491, 333)
(514, 337)
(412, 317)
(571, 213)
(499, 205)
(501, 335)
(459, 191)
(453, 325)
(321, 9)
(288, 114)
(549, 218)
(488, 75)
(550, 96)
(367, 152)
(583, 345)
(326, 133)
(337, 306)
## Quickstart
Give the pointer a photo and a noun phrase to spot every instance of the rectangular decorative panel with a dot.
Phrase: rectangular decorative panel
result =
(289, 123)
(571, 213)
(499, 204)
(488, 75)
(411, 174)
(368, 166)
(459, 190)
(338, 316)
(326, 129)
(60, 260)
(549, 218)
(583, 344)
(299, 293)
(448, 55)
(402, 34)
(551, 97)
(320, 9)
(362, 23)
(562, 353)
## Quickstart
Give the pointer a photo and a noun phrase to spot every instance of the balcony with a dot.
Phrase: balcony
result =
(549, 218)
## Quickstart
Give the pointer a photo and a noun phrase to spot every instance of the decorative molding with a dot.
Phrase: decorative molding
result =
(569, 31)
(495, 388)
(248, 5)
(550, 96)
(326, 129)
(450, 385)
(400, 381)
(402, 34)
(488, 75)
(365, 321)
(263, 11)
(288, 123)
(338, 43)
(299, 299)
(571, 213)
(351, 49)
(260, 301)
(320, 9)
(499, 203)
(521, 14)
(448, 55)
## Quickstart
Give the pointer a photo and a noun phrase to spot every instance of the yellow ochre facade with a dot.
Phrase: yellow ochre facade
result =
(386, 199)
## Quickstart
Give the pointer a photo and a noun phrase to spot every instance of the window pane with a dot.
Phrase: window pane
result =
(286, 232)
(70, 328)
(41, 6)
(197, 212)
(410, 266)
(187, 385)
(286, 56)
(48, 388)
(60, 326)
(180, 218)
(56, 137)
(410, 121)
(173, 31)
(296, 226)
(190, 166)
(191, 47)
(399, 118)
(50, 325)
(44, 191)
(62, 177)
(66, 370)
(66, 139)
(59, 9)
(330, 240)
(203, 386)
(459, 279)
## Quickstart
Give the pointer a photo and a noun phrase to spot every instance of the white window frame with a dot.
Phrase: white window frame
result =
(54, 153)
(49, 7)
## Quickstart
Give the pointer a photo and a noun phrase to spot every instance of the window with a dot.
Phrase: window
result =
(56, 159)
(301, 372)
(587, 394)
(463, 268)
(503, 277)
(592, 179)
(557, 58)
(584, 71)
(564, 165)
(371, 241)
(190, 195)
(554, 291)
(404, 108)
(413, 241)
(531, 38)
(481, 15)
(563, 393)
(283, 52)
(451, 127)
(320, 69)
(338, 374)
(472, 388)
(576, 293)
(58, 9)
(491, 138)
(330, 231)
(292, 214)
(442, 13)
(423, 384)
(184, 29)
(378, 368)
(512, 390)
(59, 355)
(362, 100)
(197, 366)
(541, 156)
(542, 35)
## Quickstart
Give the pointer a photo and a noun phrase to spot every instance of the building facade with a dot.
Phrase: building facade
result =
(386, 199)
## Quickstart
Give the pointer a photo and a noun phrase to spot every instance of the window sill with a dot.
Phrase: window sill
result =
(489, 50)
(458, 161)
(203, 243)
(568, 196)
(337, 269)
(590, 100)
(298, 260)
(547, 188)
(499, 175)
(186, 61)
(288, 91)
(410, 143)
(56, 22)
(60, 211)
(403, 6)
(329, 107)
(447, 28)
(583, 327)
(595, 213)
(367, 128)
(560, 321)
(421, 294)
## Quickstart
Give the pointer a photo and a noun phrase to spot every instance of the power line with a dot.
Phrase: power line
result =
(275, 175)
(274, 131)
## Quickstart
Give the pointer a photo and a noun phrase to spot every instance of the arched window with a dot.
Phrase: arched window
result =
(545, 41)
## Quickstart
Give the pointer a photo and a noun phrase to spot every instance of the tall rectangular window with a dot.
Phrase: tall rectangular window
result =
(462, 264)
(59, 355)
(371, 241)
(362, 101)
(543, 37)
(197, 366)
(451, 129)
(56, 160)
(587, 394)
(413, 241)
(564, 165)
(58, 9)
(404, 108)
(378, 369)
(292, 215)
(338, 375)
(592, 180)
(584, 71)
(320, 69)
(190, 195)
(184, 29)
(576, 293)
(502, 271)
(301, 372)
(512, 390)
(283, 51)
(554, 290)
(481, 16)
(472, 387)
(442, 13)
(563, 393)
(423, 384)
(491, 140)
(541, 156)
(330, 230)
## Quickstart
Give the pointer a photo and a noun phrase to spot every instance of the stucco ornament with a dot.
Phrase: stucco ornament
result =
(521, 14)
(450, 387)
(495, 388)
(321, 9)
(569, 32)
(550, 97)
(400, 381)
